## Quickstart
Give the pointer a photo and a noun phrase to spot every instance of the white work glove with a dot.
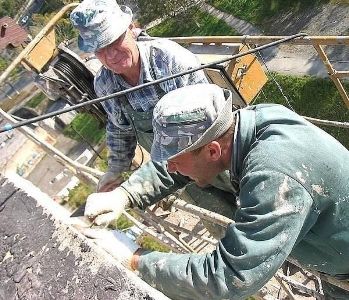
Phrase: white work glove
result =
(103, 208)
(115, 242)
(109, 181)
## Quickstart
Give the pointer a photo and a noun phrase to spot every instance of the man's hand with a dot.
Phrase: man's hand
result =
(103, 208)
(115, 242)
(109, 181)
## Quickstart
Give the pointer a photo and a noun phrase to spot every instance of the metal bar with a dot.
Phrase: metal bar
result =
(341, 284)
(190, 233)
(76, 167)
(201, 246)
(165, 229)
(285, 287)
(170, 231)
(248, 39)
(135, 88)
(341, 74)
(184, 230)
(202, 213)
(279, 276)
(85, 140)
(332, 72)
(327, 123)
(163, 240)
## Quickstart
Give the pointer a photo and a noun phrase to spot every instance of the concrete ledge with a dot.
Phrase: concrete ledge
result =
(43, 257)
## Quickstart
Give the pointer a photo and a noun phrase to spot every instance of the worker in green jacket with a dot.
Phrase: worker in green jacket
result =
(293, 195)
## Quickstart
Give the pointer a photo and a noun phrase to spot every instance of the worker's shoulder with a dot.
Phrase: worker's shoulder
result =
(103, 77)
(165, 48)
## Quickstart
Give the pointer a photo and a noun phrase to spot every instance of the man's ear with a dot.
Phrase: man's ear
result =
(213, 151)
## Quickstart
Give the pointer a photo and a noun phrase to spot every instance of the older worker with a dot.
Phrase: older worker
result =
(293, 193)
(104, 28)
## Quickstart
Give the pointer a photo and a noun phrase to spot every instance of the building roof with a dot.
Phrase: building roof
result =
(11, 33)
(43, 257)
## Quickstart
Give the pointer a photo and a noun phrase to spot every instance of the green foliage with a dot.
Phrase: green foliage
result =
(3, 64)
(199, 23)
(63, 28)
(77, 196)
(36, 100)
(151, 10)
(51, 6)
(312, 97)
(86, 126)
(9, 8)
(150, 243)
(144, 241)
(102, 163)
(123, 223)
(259, 11)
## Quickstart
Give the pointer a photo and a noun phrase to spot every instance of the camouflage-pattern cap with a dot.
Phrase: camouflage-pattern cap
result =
(100, 22)
(188, 118)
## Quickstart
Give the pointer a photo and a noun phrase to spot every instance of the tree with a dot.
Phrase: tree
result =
(151, 10)
(3, 64)
(10, 8)
(64, 29)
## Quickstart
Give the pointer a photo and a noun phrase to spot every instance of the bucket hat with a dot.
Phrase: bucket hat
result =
(188, 118)
(100, 22)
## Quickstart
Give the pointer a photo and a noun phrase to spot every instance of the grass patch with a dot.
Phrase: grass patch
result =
(199, 23)
(312, 97)
(121, 223)
(102, 163)
(150, 243)
(259, 11)
(36, 100)
(85, 126)
(77, 196)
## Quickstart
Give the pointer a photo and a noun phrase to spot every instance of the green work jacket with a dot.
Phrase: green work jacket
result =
(294, 201)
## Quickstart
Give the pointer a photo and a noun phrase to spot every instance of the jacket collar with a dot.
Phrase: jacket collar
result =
(244, 137)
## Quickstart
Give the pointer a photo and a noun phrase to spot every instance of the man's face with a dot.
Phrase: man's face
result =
(120, 55)
(196, 166)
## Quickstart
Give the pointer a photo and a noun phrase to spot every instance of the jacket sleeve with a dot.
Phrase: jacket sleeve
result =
(273, 210)
(151, 183)
(120, 138)
(121, 143)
